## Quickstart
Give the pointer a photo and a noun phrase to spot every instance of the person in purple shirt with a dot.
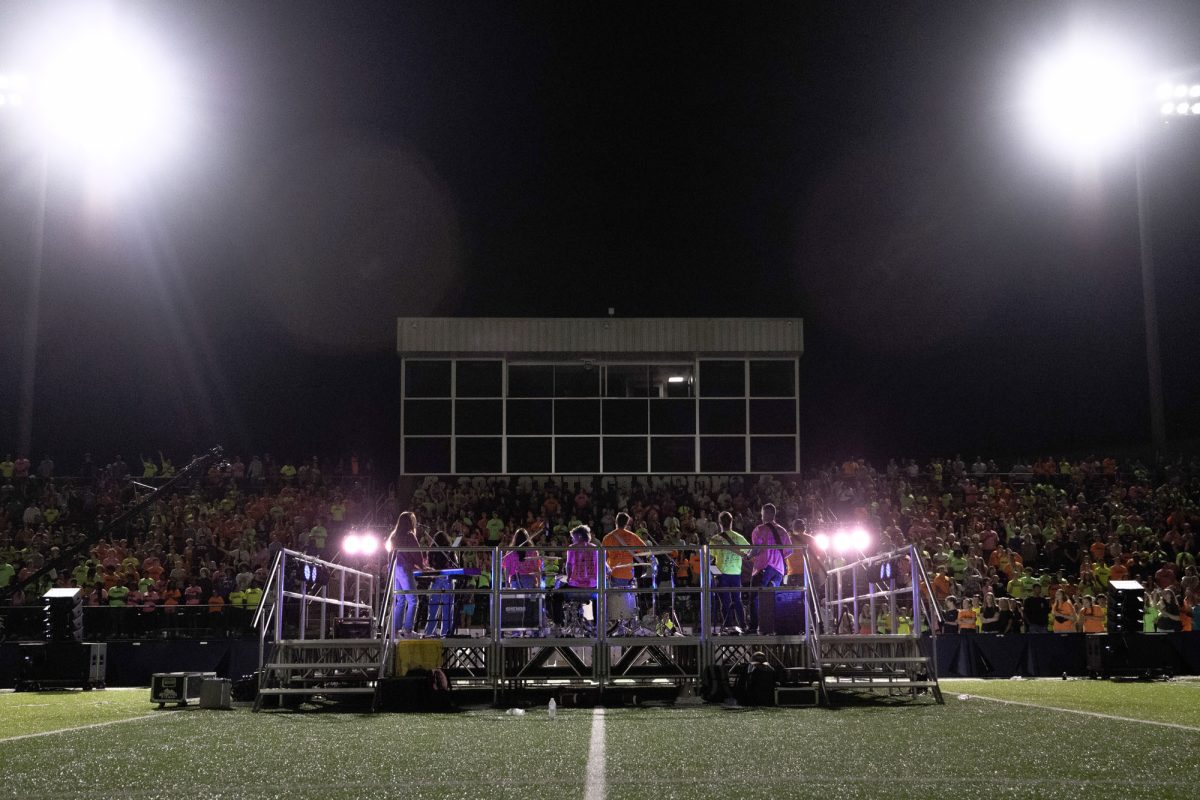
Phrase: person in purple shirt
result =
(768, 563)
(406, 562)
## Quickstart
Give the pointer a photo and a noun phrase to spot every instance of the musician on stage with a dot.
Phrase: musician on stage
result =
(771, 549)
(405, 562)
(580, 573)
(441, 606)
(619, 563)
(522, 568)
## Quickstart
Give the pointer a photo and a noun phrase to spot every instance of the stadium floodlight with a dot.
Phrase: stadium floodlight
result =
(1088, 101)
(676, 379)
(1084, 100)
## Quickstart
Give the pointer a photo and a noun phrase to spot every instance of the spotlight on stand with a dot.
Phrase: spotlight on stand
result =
(360, 544)
(822, 541)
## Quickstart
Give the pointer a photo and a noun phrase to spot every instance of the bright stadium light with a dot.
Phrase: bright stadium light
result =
(1085, 99)
(676, 379)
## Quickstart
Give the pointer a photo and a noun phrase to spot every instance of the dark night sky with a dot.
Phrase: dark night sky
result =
(862, 165)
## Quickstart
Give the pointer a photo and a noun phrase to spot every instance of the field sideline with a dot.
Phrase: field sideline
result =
(889, 749)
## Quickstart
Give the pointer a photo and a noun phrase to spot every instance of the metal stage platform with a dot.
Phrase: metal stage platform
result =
(330, 630)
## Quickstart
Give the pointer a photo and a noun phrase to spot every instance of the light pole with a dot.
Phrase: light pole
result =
(1090, 101)
(99, 97)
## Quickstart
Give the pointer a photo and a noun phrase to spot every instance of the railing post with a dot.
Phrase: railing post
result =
(705, 596)
(915, 569)
(279, 595)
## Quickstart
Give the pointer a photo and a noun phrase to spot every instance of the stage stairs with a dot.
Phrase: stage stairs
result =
(330, 668)
(890, 664)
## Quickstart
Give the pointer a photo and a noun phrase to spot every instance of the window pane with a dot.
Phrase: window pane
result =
(772, 454)
(529, 456)
(722, 378)
(530, 416)
(576, 454)
(576, 381)
(481, 417)
(672, 416)
(477, 455)
(628, 380)
(772, 378)
(672, 380)
(772, 416)
(624, 454)
(625, 416)
(427, 378)
(723, 454)
(722, 416)
(478, 379)
(675, 454)
(425, 417)
(576, 416)
(426, 455)
(530, 380)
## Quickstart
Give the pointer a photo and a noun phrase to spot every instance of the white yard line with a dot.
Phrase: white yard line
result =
(595, 762)
(1095, 714)
(160, 715)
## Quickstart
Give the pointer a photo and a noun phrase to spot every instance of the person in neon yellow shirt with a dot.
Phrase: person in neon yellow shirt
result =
(728, 549)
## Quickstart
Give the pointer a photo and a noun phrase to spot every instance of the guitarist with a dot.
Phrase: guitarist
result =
(771, 547)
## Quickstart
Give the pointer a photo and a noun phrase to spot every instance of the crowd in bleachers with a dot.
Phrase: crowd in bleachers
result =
(1030, 546)
(204, 546)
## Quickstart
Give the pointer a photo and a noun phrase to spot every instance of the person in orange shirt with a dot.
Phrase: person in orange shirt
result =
(1063, 613)
(967, 615)
(942, 586)
(1093, 616)
(619, 565)
(1118, 571)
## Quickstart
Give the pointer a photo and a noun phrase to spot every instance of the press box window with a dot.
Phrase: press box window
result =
(426, 378)
(478, 379)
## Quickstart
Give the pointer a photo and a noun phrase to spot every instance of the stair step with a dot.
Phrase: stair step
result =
(320, 690)
(866, 638)
(309, 644)
(870, 660)
(874, 684)
(326, 665)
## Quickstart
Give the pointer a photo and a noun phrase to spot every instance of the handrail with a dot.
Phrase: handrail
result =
(267, 596)
(935, 611)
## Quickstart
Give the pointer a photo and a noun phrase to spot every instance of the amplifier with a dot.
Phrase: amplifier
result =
(781, 613)
(352, 628)
(177, 687)
(520, 611)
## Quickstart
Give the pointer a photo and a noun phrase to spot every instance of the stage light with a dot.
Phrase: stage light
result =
(1196, 108)
(1195, 90)
(1167, 109)
(860, 540)
(822, 540)
(841, 541)
(1181, 90)
(352, 544)
(1182, 109)
(368, 544)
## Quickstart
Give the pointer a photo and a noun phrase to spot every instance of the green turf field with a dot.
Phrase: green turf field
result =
(895, 750)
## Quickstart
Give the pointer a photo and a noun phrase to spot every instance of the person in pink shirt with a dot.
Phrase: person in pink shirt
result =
(767, 559)
(522, 568)
(580, 572)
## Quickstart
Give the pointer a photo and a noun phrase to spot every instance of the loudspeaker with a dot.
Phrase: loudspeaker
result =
(781, 613)
(64, 615)
(1126, 607)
